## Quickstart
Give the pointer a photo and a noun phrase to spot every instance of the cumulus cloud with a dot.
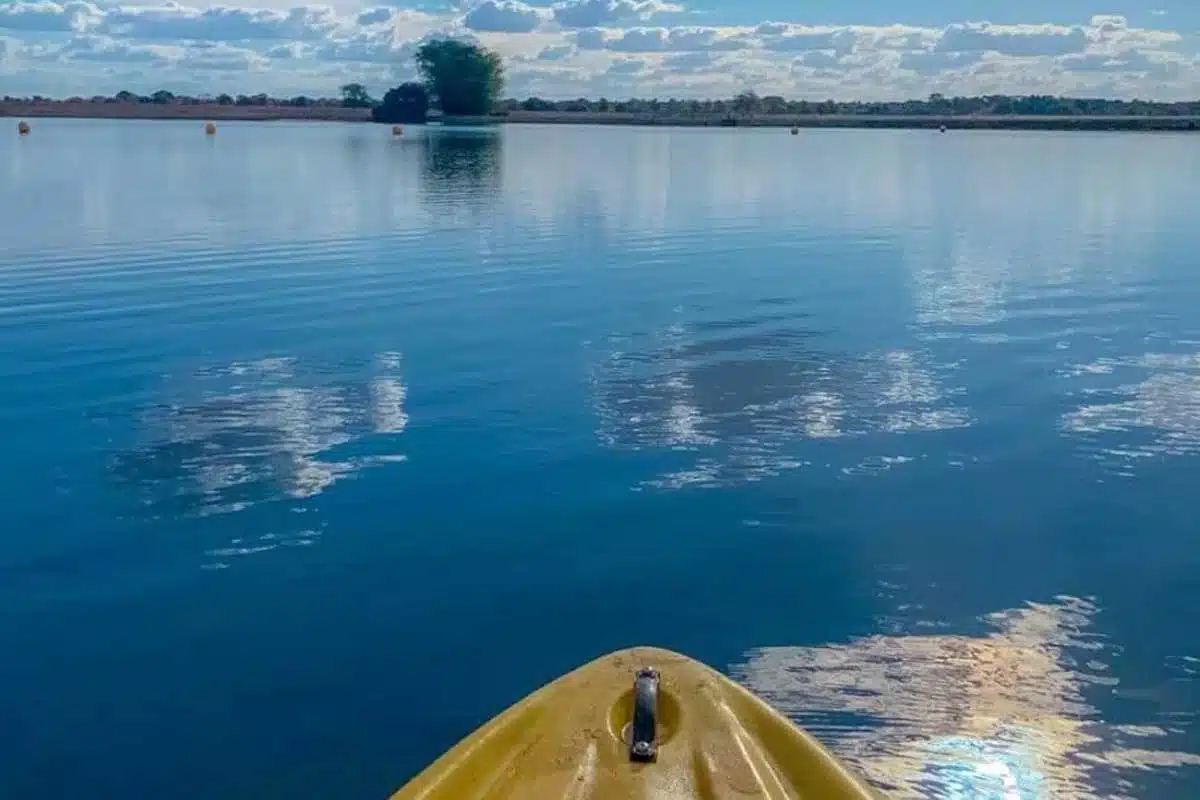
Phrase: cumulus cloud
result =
(46, 17)
(626, 66)
(374, 16)
(608, 13)
(818, 59)
(591, 39)
(784, 38)
(221, 57)
(1013, 40)
(105, 50)
(555, 52)
(656, 40)
(573, 47)
(690, 63)
(219, 23)
(503, 16)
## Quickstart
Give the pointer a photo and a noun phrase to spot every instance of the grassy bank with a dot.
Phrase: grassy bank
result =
(197, 111)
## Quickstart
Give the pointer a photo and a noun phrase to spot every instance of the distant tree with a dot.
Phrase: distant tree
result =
(774, 104)
(537, 104)
(126, 97)
(746, 103)
(224, 100)
(407, 103)
(354, 95)
(162, 97)
(466, 79)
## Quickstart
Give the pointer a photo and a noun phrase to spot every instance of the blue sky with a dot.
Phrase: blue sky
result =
(869, 49)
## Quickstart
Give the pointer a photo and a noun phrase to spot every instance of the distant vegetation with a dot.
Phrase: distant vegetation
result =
(479, 87)
(460, 78)
(407, 103)
(464, 79)
(354, 95)
(750, 104)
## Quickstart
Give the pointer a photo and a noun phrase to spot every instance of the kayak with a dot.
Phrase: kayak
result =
(639, 723)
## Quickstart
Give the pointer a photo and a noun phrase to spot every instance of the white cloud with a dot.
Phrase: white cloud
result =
(690, 63)
(626, 66)
(1013, 40)
(591, 39)
(503, 16)
(572, 48)
(689, 39)
(46, 17)
(103, 49)
(597, 13)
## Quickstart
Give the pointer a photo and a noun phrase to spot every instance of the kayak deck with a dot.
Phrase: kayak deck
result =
(702, 736)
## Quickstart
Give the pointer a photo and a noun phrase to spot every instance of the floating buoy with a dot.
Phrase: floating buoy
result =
(397, 130)
(210, 128)
(942, 129)
(795, 130)
(23, 128)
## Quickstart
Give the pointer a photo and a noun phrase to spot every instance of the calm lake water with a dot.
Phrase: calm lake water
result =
(322, 447)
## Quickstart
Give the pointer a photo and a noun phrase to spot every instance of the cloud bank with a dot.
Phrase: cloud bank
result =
(615, 48)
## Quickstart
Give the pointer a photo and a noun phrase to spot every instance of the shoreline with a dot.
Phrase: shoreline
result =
(911, 121)
(332, 113)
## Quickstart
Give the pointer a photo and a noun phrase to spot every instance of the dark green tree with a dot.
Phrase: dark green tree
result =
(407, 103)
(465, 79)
(354, 95)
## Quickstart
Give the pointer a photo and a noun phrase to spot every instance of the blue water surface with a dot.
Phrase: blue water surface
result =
(321, 447)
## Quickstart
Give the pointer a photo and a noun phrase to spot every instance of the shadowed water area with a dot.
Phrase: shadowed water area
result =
(322, 447)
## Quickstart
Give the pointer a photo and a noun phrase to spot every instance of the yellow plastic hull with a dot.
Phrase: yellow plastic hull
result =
(572, 739)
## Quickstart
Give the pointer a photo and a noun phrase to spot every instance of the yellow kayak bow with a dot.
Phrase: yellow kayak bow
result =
(641, 723)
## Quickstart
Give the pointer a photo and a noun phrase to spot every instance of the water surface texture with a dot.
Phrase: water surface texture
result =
(321, 447)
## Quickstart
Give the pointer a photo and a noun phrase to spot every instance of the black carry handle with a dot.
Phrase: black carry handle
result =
(642, 747)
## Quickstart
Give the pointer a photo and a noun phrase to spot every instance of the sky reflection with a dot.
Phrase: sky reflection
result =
(248, 433)
(743, 397)
(1006, 715)
(1154, 410)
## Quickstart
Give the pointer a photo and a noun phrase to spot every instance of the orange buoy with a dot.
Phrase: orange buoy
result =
(397, 130)
(210, 128)
(23, 128)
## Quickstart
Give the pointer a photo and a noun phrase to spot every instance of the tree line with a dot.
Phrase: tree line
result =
(750, 104)
(460, 78)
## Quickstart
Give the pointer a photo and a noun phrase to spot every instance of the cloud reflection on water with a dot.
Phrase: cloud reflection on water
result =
(1002, 716)
(1158, 415)
(743, 399)
(248, 433)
